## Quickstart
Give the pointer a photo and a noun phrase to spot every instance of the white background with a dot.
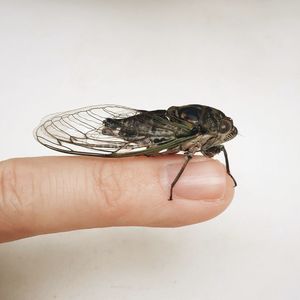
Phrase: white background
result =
(239, 56)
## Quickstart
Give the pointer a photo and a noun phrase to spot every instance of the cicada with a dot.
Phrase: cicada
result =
(118, 131)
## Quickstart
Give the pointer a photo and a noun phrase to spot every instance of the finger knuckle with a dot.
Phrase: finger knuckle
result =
(11, 190)
(10, 199)
(108, 187)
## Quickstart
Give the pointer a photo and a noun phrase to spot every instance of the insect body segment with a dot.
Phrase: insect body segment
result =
(151, 128)
(117, 131)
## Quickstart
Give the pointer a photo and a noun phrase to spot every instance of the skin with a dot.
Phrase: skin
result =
(52, 194)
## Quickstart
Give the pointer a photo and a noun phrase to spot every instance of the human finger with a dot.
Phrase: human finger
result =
(51, 194)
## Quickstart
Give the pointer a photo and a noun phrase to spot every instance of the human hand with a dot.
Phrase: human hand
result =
(53, 194)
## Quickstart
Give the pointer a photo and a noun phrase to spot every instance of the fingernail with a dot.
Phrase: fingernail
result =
(201, 180)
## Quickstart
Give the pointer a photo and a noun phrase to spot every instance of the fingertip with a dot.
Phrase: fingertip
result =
(203, 178)
(203, 191)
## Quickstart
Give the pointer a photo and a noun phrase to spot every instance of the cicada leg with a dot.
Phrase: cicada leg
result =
(188, 157)
(210, 152)
(227, 165)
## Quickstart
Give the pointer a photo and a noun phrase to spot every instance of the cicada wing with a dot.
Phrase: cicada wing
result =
(80, 132)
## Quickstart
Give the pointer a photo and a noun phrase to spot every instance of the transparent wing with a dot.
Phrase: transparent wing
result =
(80, 132)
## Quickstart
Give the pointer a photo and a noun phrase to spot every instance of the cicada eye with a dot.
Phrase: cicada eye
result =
(225, 125)
(190, 114)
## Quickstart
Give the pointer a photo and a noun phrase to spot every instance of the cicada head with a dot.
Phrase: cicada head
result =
(207, 120)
